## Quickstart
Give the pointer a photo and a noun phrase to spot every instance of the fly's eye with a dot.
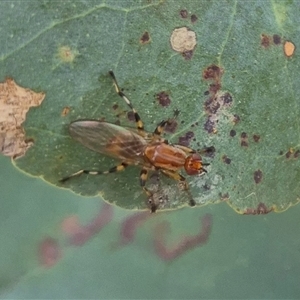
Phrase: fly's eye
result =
(193, 164)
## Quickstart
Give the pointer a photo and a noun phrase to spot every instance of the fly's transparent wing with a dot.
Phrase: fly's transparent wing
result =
(109, 139)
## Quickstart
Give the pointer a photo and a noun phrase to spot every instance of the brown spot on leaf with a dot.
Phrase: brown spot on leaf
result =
(236, 119)
(194, 18)
(145, 38)
(226, 159)
(276, 39)
(212, 72)
(163, 98)
(183, 13)
(258, 176)
(297, 154)
(260, 210)
(187, 54)
(209, 125)
(289, 153)
(265, 40)
(289, 48)
(214, 104)
(226, 98)
(244, 139)
(171, 127)
(65, 111)
(186, 139)
(183, 39)
(244, 143)
(232, 133)
(243, 135)
(115, 106)
(130, 116)
(256, 138)
(208, 151)
(15, 101)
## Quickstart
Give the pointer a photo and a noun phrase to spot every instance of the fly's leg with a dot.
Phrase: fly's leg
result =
(143, 179)
(178, 177)
(118, 168)
(139, 122)
(161, 126)
(186, 149)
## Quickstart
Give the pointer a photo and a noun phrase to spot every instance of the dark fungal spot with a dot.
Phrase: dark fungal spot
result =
(171, 127)
(115, 106)
(186, 139)
(183, 13)
(208, 151)
(288, 154)
(297, 154)
(236, 119)
(256, 138)
(130, 116)
(226, 159)
(227, 98)
(244, 144)
(243, 135)
(265, 40)
(145, 38)
(212, 72)
(163, 98)
(232, 133)
(260, 210)
(209, 125)
(244, 139)
(206, 93)
(276, 39)
(194, 18)
(258, 176)
(187, 55)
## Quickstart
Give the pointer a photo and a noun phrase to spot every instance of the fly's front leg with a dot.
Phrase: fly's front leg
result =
(161, 126)
(139, 122)
(178, 177)
(114, 169)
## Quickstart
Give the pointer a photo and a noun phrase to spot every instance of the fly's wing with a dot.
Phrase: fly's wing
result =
(109, 139)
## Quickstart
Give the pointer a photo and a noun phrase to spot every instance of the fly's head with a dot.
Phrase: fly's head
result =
(194, 165)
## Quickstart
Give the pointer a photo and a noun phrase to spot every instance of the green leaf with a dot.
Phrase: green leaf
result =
(66, 49)
(32, 210)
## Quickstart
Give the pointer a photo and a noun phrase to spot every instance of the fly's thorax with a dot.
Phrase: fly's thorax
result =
(165, 156)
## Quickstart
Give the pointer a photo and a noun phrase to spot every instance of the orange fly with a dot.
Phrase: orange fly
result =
(137, 147)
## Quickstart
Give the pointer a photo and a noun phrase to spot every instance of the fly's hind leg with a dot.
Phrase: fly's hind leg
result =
(143, 179)
(117, 168)
(139, 122)
(178, 177)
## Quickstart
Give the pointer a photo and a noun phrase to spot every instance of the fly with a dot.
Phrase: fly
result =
(150, 151)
